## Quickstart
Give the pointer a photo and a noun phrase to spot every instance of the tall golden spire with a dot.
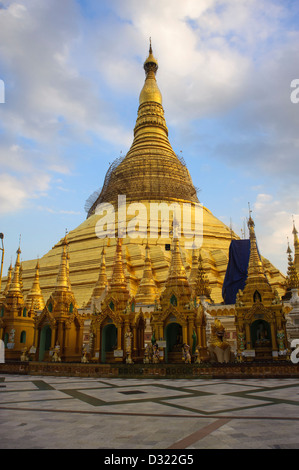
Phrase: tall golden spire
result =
(202, 288)
(292, 279)
(15, 285)
(177, 288)
(257, 287)
(118, 280)
(150, 90)
(21, 276)
(296, 248)
(194, 270)
(255, 266)
(102, 281)
(118, 293)
(35, 298)
(147, 289)
(62, 283)
(68, 270)
(8, 282)
(177, 270)
(177, 277)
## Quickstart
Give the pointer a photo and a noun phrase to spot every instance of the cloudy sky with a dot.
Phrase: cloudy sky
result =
(72, 72)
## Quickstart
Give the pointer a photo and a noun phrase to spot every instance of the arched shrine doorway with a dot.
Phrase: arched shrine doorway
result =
(174, 342)
(109, 343)
(45, 342)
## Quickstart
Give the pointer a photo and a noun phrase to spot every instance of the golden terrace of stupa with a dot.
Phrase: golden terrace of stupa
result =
(150, 172)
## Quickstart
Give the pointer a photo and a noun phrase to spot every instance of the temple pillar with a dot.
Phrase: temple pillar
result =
(79, 335)
(203, 337)
(66, 341)
(135, 339)
(53, 335)
(190, 323)
(273, 337)
(35, 337)
(185, 333)
(97, 344)
(248, 337)
(199, 336)
(60, 334)
(160, 331)
(141, 340)
(120, 334)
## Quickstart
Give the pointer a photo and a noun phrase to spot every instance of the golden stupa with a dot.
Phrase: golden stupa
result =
(150, 172)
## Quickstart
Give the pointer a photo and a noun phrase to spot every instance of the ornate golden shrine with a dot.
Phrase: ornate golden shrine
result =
(259, 313)
(117, 317)
(177, 317)
(17, 320)
(59, 328)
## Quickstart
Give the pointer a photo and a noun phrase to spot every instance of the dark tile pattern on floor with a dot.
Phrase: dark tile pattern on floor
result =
(94, 413)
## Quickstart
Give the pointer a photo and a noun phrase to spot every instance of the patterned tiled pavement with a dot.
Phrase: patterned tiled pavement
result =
(39, 412)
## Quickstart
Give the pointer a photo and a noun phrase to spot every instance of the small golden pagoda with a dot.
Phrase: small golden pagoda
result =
(17, 323)
(117, 330)
(177, 319)
(259, 313)
(59, 328)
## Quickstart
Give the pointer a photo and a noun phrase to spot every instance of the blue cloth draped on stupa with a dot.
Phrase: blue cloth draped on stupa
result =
(236, 272)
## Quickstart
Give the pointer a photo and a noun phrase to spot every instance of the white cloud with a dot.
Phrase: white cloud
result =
(58, 211)
(16, 192)
(274, 223)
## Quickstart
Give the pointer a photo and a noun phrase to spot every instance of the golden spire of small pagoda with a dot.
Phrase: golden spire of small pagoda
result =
(15, 285)
(102, 281)
(8, 281)
(292, 279)
(177, 270)
(118, 280)
(68, 270)
(177, 282)
(296, 248)
(147, 289)
(202, 288)
(21, 276)
(255, 266)
(35, 299)
(194, 270)
(257, 286)
(62, 283)
(118, 292)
